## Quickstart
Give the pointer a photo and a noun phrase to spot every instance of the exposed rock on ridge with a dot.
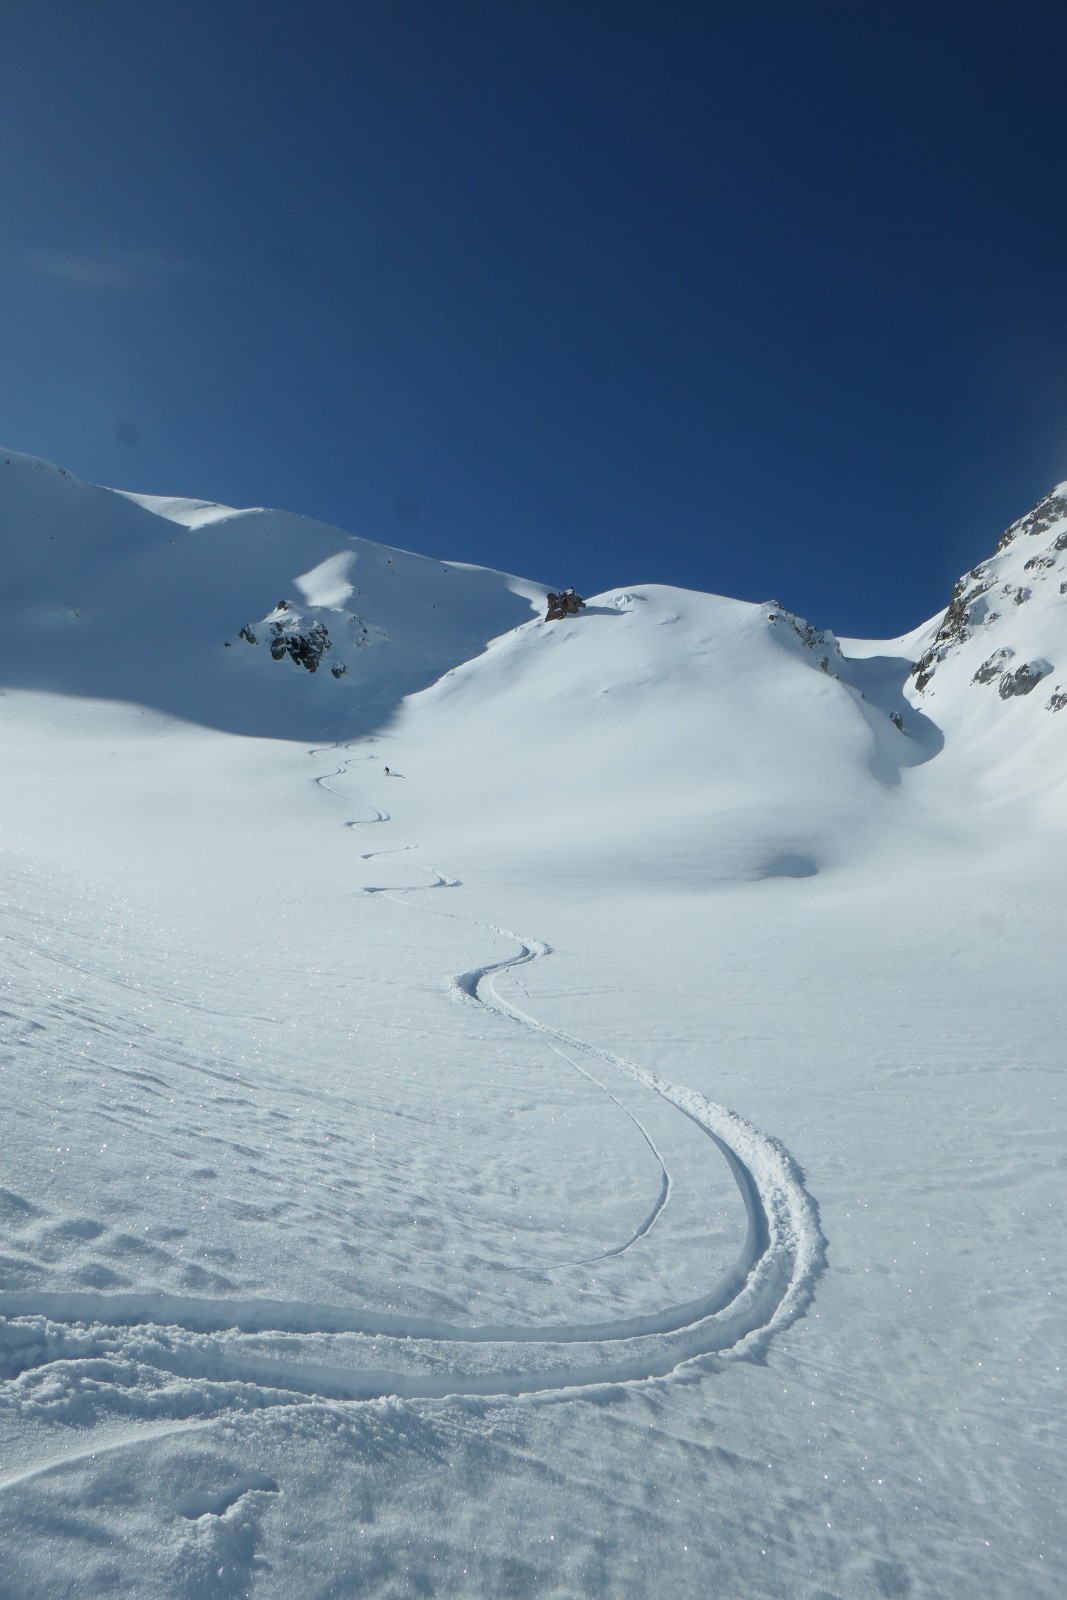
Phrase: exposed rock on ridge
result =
(820, 641)
(1009, 608)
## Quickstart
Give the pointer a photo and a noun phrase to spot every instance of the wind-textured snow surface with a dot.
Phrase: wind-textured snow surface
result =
(548, 1110)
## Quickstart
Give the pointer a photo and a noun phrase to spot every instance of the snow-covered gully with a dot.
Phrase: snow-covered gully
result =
(223, 1341)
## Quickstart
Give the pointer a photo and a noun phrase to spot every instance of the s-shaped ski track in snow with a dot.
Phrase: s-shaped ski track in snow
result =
(283, 1348)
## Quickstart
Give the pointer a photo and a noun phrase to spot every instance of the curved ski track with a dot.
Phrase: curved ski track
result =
(228, 1342)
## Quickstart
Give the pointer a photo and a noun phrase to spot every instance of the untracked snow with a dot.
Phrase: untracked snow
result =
(548, 1109)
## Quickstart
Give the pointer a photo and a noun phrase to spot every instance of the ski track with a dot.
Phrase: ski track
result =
(769, 1286)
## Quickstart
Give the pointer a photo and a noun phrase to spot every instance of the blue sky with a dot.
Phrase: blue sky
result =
(766, 299)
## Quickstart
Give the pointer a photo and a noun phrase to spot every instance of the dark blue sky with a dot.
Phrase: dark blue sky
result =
(767, 299)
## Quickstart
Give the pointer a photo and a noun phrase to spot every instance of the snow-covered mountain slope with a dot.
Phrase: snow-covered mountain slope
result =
(590, 1125)
(1006, 618)
(176, 604)
(992, 672)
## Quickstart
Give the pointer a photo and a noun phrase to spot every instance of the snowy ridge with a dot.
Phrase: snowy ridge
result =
(191, 608)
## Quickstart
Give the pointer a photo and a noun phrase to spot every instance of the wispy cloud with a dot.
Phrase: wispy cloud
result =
(111, 269)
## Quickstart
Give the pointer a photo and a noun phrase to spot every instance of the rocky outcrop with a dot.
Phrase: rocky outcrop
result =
(287, 632)
(994, 666)
(1023, 679)
(1045, 515)
(1006, 609)
(306, 644)
(820, 641)
(966, 608)
(565, 604)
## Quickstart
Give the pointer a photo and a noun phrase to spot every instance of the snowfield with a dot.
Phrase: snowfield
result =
(546, 1110)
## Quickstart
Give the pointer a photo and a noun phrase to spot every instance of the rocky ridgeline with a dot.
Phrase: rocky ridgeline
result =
(1005, 606)
(824, 647)
(820, 641)
(304, 639)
